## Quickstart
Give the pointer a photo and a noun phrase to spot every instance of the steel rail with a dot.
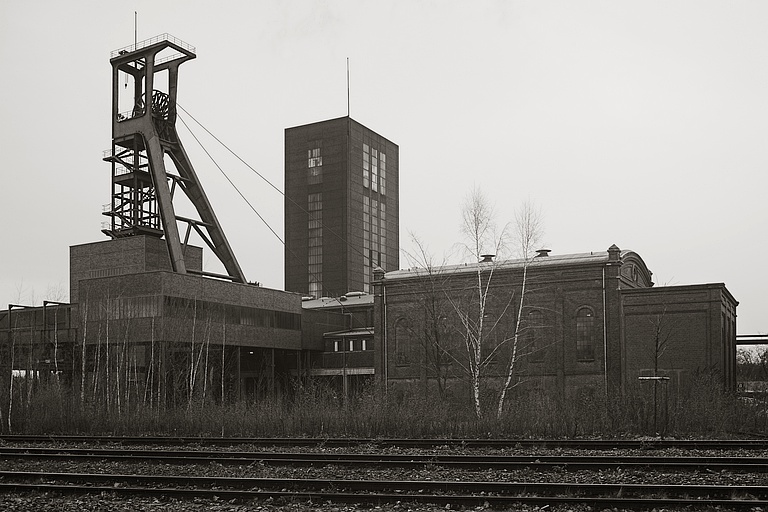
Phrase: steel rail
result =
(443, 486)
(736, 464)
(600, 444)
(430, 458)
(378, 498)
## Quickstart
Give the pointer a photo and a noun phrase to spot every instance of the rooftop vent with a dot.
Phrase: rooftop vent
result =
(487, 258)
(541, 253)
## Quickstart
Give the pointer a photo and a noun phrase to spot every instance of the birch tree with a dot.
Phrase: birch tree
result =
(528, 232)
(483, 242)
(484, 333)
(477, 330)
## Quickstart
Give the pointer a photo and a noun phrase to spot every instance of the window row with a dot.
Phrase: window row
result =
(181, 307)
(352, 344)
(314, 166)
(535, 336)
(374, 169)
(374, 206)
(315, 244)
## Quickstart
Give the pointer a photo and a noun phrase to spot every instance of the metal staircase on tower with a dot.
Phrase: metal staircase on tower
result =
(143, 134)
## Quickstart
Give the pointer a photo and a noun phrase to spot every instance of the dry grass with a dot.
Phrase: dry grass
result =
(315, 411)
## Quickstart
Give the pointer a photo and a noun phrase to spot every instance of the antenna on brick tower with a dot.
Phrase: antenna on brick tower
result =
(143, 134)
(348, 111)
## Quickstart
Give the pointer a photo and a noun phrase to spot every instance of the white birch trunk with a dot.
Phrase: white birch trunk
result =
(82, 354)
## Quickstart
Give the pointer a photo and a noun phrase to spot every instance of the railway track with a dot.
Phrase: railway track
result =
(465, 462)
(367, 473)
(377, 492)
(587, 444)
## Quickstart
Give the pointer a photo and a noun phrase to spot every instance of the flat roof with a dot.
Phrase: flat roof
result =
(345, 301)
(365, 331)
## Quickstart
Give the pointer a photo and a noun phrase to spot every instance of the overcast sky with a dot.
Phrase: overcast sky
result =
(642, 124)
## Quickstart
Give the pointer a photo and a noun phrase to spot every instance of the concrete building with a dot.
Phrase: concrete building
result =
(589, 321)
(341, 207)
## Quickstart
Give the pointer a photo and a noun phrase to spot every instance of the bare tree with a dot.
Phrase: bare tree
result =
(528, 231)
(479, 229)
(12, 347)
(752, 364)
(432, 331)
(482, 318)
(484, 333)
(662, 330)
(84, 323)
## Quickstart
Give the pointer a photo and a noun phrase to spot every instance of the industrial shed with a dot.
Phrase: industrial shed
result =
(589, 321)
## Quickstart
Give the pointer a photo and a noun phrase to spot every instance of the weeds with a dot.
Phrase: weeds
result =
(317, 411)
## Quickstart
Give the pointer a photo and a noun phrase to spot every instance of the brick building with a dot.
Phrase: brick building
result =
(341, 207)
(337, 338)
(137, 329)
(589, 321)
(126, 291)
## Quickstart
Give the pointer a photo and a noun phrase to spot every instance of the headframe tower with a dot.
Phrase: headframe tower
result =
(143, 134)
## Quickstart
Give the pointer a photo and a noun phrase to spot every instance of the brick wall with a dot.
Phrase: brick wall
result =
(695, 326)
(609, 295)
(121, 256)
(555, 290)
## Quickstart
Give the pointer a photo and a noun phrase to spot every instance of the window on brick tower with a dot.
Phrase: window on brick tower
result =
(382, 173)
(315, 243)
(585, 334)
(314, 166)
(374, 170)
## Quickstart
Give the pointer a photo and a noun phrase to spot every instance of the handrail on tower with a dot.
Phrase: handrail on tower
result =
(149, 42)
(142, 200)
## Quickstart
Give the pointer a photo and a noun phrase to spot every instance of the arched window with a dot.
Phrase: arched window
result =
(401, 341)
(535, 336)
(585, 334)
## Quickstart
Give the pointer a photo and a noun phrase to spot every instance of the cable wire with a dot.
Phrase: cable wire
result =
(230, 181)
(282, 193)
(351, 313)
